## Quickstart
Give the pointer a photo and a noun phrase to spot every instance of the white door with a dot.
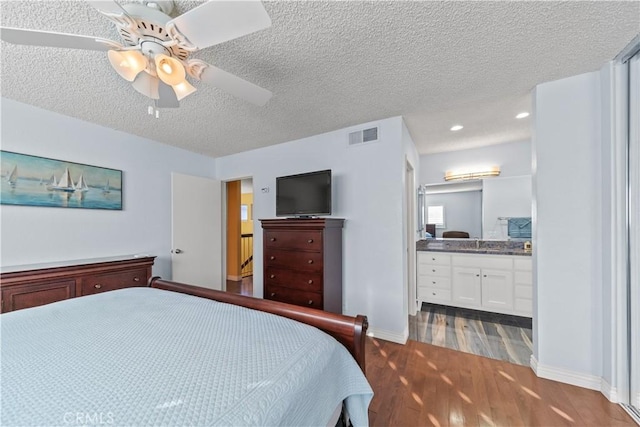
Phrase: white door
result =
(196, 231)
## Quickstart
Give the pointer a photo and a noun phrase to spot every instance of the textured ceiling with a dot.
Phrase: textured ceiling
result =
(331, 65)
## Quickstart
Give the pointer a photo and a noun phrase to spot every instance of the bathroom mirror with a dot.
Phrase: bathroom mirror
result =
(480, 207)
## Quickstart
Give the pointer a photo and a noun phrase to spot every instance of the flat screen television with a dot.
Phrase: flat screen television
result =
(303, 195)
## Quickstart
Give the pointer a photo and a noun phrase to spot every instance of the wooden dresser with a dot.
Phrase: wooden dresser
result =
(27, 286)
(303, 262)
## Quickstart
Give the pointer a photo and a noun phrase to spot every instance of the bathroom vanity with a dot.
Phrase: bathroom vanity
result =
(482, 275)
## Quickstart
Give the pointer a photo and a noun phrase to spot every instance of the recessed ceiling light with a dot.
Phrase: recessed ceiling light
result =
(456, 127)
(522, 115)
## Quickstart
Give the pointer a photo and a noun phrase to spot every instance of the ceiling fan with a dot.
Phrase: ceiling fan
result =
(154, 55)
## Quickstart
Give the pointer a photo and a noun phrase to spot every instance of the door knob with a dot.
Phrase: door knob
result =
(176, 251)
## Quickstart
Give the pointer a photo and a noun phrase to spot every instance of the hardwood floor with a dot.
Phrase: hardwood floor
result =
(423, 385)
(419, 384)
(242, 287)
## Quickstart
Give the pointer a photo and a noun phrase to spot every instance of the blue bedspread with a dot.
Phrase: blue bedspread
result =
(143, 356)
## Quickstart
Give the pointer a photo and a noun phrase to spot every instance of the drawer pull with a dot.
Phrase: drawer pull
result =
(310, 261)
(310, 281)
(477, 275)
(272, 257)
(310, 241)
(136, 279)
(433, 282)
(433, 293)
(433, 271)
(273, 294)
(433, 259)
(310, 302)
(273, 239)
(97, 286)
(484, 275)
(273, 276)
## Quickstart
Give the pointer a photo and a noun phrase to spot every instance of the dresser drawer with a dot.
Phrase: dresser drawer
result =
(308, 240)
(292, 296)
(434, 270)
(33, 295)
(523, 306)
(523, 291)
(303, 280)
(434, 282)
(434, 258)
(524, 278)
(112, 281)
(297, 260)
(434, 295)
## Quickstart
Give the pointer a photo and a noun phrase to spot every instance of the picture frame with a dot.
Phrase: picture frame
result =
(28, 180)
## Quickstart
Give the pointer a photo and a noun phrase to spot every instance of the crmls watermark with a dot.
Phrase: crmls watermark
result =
(88, 418)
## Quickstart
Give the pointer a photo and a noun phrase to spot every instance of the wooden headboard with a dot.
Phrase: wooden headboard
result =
(349, 331)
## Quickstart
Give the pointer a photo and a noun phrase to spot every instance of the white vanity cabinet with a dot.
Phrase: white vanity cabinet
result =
(496, 283)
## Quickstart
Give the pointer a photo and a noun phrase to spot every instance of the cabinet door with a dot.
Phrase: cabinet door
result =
(466, 286)
(497, 289)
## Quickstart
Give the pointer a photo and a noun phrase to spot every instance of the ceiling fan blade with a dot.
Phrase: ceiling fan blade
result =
(218, 21)
(108, 7)
(146, 85)
(235, 85)
(167, 97)
(51, 39)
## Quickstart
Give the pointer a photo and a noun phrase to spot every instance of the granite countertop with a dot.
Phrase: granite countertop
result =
(469, 246)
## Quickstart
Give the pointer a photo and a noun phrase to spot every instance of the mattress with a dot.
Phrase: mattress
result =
(143, 356)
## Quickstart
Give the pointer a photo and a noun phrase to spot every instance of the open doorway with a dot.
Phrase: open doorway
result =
(239, 233)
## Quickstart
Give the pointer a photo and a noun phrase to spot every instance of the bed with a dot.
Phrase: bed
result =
(175, 354)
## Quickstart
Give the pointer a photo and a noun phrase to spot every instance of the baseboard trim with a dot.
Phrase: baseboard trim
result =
(234, 278)
(400, 338)
(610, 392)
(579, 379)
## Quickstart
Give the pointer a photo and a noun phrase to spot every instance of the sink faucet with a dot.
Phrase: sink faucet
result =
(477, 243)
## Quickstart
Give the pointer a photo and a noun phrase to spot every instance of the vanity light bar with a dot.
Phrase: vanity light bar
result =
(493, 171)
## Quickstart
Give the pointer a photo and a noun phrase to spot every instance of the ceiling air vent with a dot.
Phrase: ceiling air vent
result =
(362, 136)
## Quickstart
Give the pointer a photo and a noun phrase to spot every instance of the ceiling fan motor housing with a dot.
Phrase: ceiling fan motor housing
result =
(150, 29)
(165, 6)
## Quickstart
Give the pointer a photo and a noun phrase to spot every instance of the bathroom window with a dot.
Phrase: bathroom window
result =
(435, 215)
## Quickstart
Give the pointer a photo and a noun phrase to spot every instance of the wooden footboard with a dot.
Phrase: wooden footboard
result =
(349, 331)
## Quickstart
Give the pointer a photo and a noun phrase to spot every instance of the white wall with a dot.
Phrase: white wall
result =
(367, 192)
(504, 197)
(567, 242)
(42, 234)
(514, 159)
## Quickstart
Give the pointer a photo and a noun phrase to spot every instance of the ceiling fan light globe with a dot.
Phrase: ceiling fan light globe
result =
(128, 64)
(183, 89)
(169, 70)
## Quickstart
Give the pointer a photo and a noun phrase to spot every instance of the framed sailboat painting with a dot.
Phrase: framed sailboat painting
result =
(38, 181)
